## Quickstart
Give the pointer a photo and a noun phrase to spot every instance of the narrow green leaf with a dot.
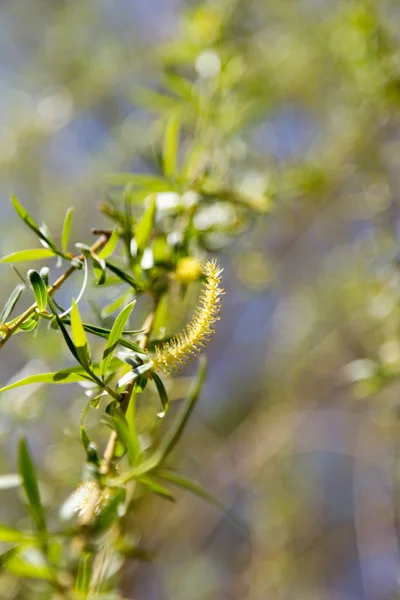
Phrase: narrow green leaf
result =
(25, 216)
(189, 485)
(171, 142)
(116, 304)
(99, 269)
(156, 488)
(79, 337)
(84, 436)
(174, 434)
(130, 416)
(63, 330)
(30, 483)
(30, 323)
(30, 564)
(8, 534)
(39, 289)
(34, 254)
(11, 302)
(162, 392)
(54, 551)
(41, 230)
(121, 426)
(66, 229)
(145, 226)
(106, 516)
(152, 183)
(44, 274)
(57, 377)
(134, 374)
(115, 335)
(198, 490)
(95, 402)
(84, 575)
(104, 333)
(124, 276)
(155, 101)
(45, 237)
(110, 246)
(180, 86)
(5, 556)
(139, 470)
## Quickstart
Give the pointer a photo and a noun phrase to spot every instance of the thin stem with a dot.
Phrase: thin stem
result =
(103, 239)
(126, 397)
(90, 511)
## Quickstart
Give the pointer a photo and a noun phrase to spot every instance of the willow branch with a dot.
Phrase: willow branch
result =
(90, 511)
(98, 245)
(110, 448)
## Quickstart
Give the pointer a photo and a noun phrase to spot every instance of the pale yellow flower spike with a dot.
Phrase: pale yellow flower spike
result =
(177, 352)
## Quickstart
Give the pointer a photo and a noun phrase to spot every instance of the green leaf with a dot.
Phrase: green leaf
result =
(154, 101)
(156, 488)
(64, 332)
(30, 483)
(130, 416)
(115, 335)
(8, 534)
(57, 377)
(116, 304)
(84, 575)
(30, 564)
(30, 323)
(174, 434)
(54, 550)
(121, 426)
(66, 229)
(134, 373)
(79, 338)
(110, 246)
(152, 183)
(198, 490)
(124, 276)
(145, 226)
(11, 302)
(139, 470)
(84, 436)
(99, 269)
(162, 392)
(171, 143)
(108, 514)
(180, 86)
(34, 254)
(40, 230)
(39, 289)
(189, 485)
(104, 333)
(25, 216)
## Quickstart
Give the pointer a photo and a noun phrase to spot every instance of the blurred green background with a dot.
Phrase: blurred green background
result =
(297, 429)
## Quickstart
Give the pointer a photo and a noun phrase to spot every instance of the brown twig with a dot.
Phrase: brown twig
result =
(98, 245)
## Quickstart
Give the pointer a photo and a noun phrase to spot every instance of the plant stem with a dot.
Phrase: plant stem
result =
(126, 397)
(90, 511)
(98, 245)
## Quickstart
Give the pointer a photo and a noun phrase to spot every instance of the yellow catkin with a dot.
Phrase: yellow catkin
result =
(177, 352)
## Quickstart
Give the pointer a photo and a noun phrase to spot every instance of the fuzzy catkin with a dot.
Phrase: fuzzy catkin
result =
(177, 352)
